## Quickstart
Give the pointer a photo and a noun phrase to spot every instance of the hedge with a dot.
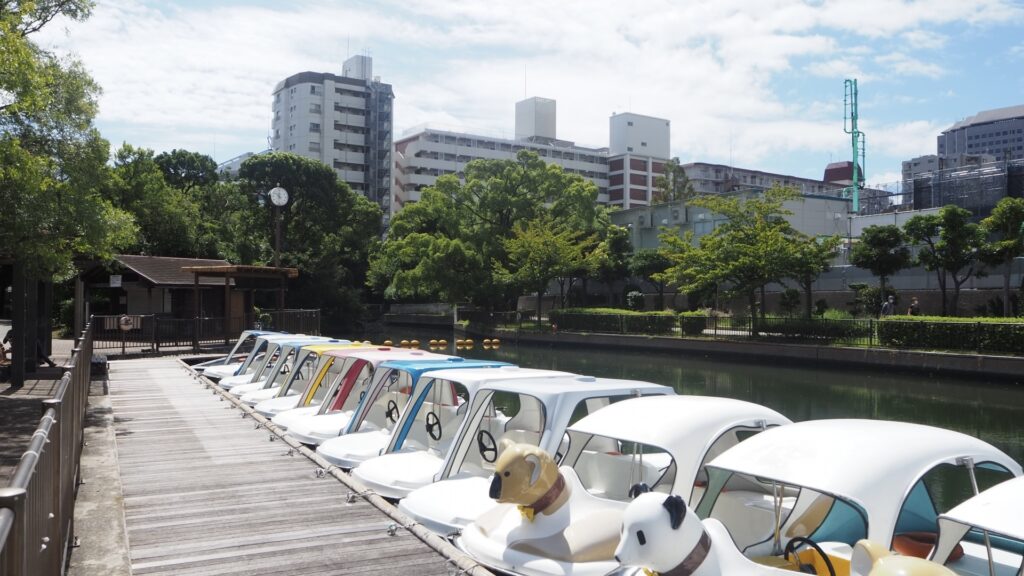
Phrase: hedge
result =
(693, 323)
(814, 328)
(614, 320)
(944, 333)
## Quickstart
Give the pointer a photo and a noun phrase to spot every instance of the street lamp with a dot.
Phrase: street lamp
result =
(278, 197)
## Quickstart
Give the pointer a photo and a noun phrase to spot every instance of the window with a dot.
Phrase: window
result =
(629, 148)
(644, 144)
(314, 146)
(314, 126)
(315, 108)
(314, 89)
(629, 123)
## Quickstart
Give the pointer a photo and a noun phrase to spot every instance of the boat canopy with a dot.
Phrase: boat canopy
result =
(872, 463)
(674, 422)
(999, 510)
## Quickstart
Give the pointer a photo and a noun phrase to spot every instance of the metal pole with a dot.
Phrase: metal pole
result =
(277, 236)
(968, 462)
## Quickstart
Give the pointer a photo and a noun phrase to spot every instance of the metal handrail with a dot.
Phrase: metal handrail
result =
(37, 505)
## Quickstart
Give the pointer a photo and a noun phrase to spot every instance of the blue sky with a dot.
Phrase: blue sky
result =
(758, 83)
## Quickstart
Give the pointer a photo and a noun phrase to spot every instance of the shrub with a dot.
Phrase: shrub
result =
(693, 323)
(815, 329)
(614, 320)
(834, 314)
(946, 333)
(789, 301)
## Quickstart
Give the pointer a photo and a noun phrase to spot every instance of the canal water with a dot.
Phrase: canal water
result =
(992, 411)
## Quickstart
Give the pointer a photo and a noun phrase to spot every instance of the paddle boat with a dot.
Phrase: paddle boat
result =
(553, 519)
(255, 356)
(263, 355)
(244, 345)
(384, 409)
(661, 535)
(399, 383)
(340, 398)
(984, 535)
(404, 467)
(279, 359)
(816, 488)
(306, 366)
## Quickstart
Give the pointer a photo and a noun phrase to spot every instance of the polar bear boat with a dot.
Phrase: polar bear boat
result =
(335, 397)
(398, 399)
(827, 484)
(657, 443)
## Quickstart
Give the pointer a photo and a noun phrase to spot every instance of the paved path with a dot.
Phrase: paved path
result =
(207, 494)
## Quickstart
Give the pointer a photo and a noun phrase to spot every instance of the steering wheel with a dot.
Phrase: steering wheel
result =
(433, 425)
(392, 412)
(798, 541)
(487, 446)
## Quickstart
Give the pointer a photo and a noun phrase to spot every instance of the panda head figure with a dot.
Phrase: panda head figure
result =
(659, 533)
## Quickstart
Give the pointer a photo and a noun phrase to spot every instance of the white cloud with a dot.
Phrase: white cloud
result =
(1017, 52)
(177, 76)
(900, 64)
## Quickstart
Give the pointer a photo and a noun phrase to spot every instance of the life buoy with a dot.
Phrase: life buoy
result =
(920, 545)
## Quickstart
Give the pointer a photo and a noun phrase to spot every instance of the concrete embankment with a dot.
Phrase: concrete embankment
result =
(973, 365)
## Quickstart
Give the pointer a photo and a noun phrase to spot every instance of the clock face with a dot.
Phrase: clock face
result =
(279, 196)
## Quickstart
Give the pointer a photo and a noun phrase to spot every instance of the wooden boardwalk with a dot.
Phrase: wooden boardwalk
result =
(205, 493)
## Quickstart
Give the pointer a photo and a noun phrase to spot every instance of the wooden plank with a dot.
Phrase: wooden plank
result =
(205, 493)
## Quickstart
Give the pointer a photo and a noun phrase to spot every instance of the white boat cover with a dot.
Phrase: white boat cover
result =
(873, 463)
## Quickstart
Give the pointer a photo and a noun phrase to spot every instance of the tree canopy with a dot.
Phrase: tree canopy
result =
(950, 244)
(1005, 227)
(673, 185)
(882, 251)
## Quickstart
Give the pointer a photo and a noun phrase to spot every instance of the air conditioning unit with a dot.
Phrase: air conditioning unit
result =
(643, 220)
(702, 216)
(678, 215)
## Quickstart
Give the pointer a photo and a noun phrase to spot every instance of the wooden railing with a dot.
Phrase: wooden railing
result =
(37, 506)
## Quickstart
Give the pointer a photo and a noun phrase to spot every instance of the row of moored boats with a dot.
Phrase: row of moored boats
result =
(540, 472)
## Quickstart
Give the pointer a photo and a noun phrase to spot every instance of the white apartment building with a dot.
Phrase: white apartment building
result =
(343, 121)
(426, 153)
(638, 150)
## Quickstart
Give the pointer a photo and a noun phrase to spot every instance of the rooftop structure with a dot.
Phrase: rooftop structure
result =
(999, 132)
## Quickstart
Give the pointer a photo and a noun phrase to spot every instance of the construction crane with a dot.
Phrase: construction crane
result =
(857, 142)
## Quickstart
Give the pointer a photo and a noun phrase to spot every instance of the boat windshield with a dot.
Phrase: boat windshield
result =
(504, 415)
(608, 467)
(763, 515)
(346, 391)
(243, 346)
(433, 416)
(305, 368)
(283, 369)
(330, 372)
(389, 393)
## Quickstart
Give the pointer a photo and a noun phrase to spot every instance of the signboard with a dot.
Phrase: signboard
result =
(115, 280)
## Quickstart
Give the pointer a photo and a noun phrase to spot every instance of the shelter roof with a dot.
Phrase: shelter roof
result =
(167, 271)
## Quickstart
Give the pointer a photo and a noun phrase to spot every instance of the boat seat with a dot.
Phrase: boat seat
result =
(612, 475)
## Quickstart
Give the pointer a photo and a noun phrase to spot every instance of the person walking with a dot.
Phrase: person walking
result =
(915, 308)
(887, 307)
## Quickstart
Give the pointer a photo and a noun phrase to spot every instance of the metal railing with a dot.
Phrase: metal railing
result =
(37, 506)
(151, 333)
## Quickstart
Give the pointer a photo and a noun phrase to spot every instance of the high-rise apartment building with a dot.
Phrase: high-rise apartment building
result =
(426, 153)
(343, 121)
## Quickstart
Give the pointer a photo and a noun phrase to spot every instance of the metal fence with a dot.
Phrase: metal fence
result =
(37, 506)
(151, 333)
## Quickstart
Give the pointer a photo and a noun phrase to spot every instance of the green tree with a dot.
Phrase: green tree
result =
(483, 213)
(673, 185)
(950, 244)
(882, 250)
(811, 257)
(615, 254)
(540, 251)
(746, 252)
(186, 170)
(166, 217)
(1005, 230)
(649, 265)
(52, 161)
(328, 232)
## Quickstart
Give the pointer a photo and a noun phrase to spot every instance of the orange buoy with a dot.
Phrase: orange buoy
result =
(389, 343)
(404, 343)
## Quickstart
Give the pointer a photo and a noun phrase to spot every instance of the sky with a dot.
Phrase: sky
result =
(752, 83)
